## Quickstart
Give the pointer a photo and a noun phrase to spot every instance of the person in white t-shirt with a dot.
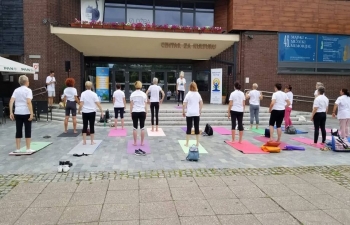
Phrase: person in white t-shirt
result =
(288, 110)
(168, 95)
(236, 110)
(180, 88)
(138, 110)
(88, 102)
(343, 105)
(254, 97)
(22, 97)
(277, 108)
(154, 90)
(319, 114)
(318, 85)
(119, 103)
(70, 98)
(192, 109)
(50, 87)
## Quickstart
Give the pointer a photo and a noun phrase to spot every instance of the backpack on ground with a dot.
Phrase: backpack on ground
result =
(290, 130)
(193, 154)
(208, 131)
(267, 132)
(340, 145)
(335, 132)
(103, 119)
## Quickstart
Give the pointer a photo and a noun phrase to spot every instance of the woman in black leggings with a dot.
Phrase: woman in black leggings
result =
(236, 110)
(319, 114)
(88, 102)
(154, 90)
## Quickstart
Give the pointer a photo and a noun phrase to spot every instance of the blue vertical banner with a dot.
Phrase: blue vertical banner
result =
(102, 83)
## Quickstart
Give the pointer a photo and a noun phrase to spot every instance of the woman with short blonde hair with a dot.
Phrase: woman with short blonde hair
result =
(154, 91)
(254, 97)
(193, 105)
(318, 85)
(180, 88)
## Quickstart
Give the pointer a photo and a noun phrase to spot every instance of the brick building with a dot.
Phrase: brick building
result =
(251, 42)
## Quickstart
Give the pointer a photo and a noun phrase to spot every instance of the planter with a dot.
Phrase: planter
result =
(216, 31)
(197, 31)
(86, 26)
(140, 28)
(179, 30)
(150, 28)
(107, 26)
(158, 29)
(97, 26)
(188, 30)
(128, 28)
(206, 31)
(118, 27)
(75, 25)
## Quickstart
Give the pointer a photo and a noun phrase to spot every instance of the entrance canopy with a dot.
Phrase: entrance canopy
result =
(145, 44)
(11, 67)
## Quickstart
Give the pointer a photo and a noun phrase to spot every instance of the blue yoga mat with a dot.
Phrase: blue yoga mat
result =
(298, 131)
(348, 139)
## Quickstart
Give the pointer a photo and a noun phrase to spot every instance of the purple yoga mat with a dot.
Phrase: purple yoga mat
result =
(222, 130)
(308, 141)
(117, 133)
(265, 139)
(131, 148)
(184, 128)
(178, 107)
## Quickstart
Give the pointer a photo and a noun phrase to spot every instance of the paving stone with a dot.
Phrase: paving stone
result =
(96, 223)
(289, 179)
(305, 189)
(332, 189)
(112, 212)
(238, 220)
(157, 210)
(186, 193)
(200, 220)
(153, 183)
(61, 187)
(123, 184)
(193, 208)
(9, 215)
(40, 216)
(342, 215)
(263, 180)
(275, 190)
(261, 205)
(280, 218)
(314, 217)
(29, 188)
(313, 178)
(210, 182)
(294, 203)
(87, 198)
(166, 221)
(121, 197)
(236, 180)
(182, 182)
(325, 202)
(93, 186)
(52, 200)
(125, 222)
(21, 200)
(228, 206)
(155, 195)
(249, 191)
(81, 214)
(217, 192)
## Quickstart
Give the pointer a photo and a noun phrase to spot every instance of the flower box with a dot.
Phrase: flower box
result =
(86, 25)
(97, 26)
(179, 30)
(139, 28)
(188, 30)
(118, 27)
(158, 29)
(107, 26)
(206, 31)
(75, 24)
(128, 28)
(150, 28)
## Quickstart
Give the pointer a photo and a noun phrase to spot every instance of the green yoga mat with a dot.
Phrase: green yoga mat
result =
(36, 146)
(190, 143)
(258, 131)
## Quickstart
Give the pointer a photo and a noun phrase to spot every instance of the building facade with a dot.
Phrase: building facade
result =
(297, 43)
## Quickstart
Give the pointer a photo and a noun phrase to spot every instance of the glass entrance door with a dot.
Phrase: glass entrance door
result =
(170, 86)
(120, 77)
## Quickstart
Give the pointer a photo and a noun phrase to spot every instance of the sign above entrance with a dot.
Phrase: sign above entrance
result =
(187, 45)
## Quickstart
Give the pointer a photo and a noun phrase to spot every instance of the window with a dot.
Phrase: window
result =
(115, 3)
(139, 16)
(187, 19)
(188, 5)
(174, 5)
(167, 17)
(202, 80)
(114, 15)
(140, 3)
(205, 6)
(204, 19)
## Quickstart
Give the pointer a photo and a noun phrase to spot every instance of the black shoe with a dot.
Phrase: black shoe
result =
(68, 163)
(137, 152)
(142, 152)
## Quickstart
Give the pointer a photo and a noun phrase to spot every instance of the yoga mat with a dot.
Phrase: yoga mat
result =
(258, 131)
(298, 131)
(265, 139)
(117, 133)
(131, 148)
(70, 133)
(246, 147)
(222, 130)
(328, 130)
(348, 139)
(327, 137)
(159, 133)
(178, 107)
(308, 142)
(190, 143)
(36, 146)
(192, 132)
(86, 149)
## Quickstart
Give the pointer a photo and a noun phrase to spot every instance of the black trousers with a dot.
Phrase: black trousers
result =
(154, 107)
(190, 120)
(180, 93)
(320, 122)
(136, 117)
(89, 119)
(276, 117)
(239, 117)
(20, 120)
(71, 107)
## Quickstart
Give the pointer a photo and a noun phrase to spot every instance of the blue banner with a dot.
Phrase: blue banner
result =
(294, 47)
(102, 83)
(333, 49)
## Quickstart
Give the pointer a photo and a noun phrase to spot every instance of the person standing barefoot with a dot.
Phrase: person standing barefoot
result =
(155, 102)
(70, 98)
(236, 110)
(254, 97)
(119, 103)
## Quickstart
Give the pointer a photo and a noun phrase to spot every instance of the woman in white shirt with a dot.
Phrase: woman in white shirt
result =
(70, 97)
(22, 97)
(343, 105)
(277, 108)
(119, 104)
(254, 97)
(180, 88)
(138, 110)
(154, 90)
(193, 105)
(236, 110)
(88, 102)
(318, 85)
(288, 110)
(319, 114)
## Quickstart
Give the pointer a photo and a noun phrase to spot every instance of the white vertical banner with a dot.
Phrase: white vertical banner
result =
(216, 86)
(92, 10)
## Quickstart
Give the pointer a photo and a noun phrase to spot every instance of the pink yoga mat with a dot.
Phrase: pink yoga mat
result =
(328, 130)
(246, 147)
(178, 107)
(222, 130)
(265, 139)
(308, 142)
(117, 133)
(131, 148)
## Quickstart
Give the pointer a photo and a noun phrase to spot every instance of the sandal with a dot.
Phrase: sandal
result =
(325, 149)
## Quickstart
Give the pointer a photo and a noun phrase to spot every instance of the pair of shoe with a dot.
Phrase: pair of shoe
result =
(26, 151)
(80, 155)
(64, 166)
(140, 152)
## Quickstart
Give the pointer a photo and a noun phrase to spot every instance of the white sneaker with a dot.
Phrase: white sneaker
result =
(29, 151)
(65, 168)
(60, 169)
(17, 151)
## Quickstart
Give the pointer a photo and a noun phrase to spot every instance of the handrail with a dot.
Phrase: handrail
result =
(41, 89)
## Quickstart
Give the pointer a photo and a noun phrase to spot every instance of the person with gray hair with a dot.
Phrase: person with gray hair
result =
(22, 97)
(254, 97)
(318, 85)
(319, 114)
(154, 91)
(180, 88)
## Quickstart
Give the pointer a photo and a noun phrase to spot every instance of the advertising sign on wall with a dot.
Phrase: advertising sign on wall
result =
(333, 48)
(102, 83)
(216, 86)
(297, 47)
(139, 16)
(92, 10)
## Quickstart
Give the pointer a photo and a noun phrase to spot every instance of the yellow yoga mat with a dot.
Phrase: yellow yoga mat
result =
(190, 143)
